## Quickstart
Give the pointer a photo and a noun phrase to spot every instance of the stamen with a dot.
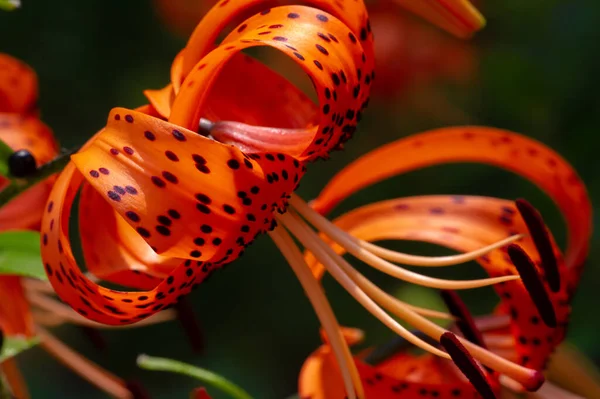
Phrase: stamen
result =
(533, 284)
(541, 239)
(434, 261)
(386, 267)
(464, 319)
(14, 379)
(189, 323)
(492, 322)
(529, 378)
(67, 314)
(97, 376)
(348, 241)
(467, 365)
(355, 283)
(317, 298)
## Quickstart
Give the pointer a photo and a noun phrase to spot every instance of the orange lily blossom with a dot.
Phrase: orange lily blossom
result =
(198, 200)
(458, 17)
(21, 129)
(531, 319)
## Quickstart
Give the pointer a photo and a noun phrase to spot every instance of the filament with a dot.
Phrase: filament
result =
(372, 297)
(324, 312)
(99, 377)
(348, 241)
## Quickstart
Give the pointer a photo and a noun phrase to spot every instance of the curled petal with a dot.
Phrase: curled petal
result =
(337, 67)
(403, 375)
(18, 86)
(124, 257)
(187, 196)
(502, 148)
(465, 223)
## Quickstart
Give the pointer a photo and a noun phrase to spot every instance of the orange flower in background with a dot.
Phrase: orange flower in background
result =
(34, 144)
(458, 17)
(410, 53)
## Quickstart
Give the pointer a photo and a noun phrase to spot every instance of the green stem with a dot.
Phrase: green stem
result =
(208, 377)
(17, 186)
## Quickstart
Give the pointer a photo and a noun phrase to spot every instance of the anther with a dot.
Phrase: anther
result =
(464, 319)
(541, 239)
(533, 284)
(22, 163)
(467, 365)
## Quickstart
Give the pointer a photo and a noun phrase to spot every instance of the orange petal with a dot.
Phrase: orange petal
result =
(18, 86)
(458, 17)
(124, 257)
(202, 41)
(466, 223)
(15, 316)
(502, 148)
(409, 377)
(29, 133)
(326, 49)
(219, 200)
(161, 100)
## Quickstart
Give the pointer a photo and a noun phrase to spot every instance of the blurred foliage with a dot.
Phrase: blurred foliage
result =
(537, 75)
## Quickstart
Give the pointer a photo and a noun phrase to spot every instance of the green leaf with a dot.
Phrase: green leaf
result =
(14, 345)
(206, 376)
(9, 5)
(5, 150)
(20, 254)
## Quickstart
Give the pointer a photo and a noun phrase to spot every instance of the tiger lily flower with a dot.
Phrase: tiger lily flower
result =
(27, 308)
(198, 200)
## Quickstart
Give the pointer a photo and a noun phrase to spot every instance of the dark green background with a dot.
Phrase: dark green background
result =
(538, 75)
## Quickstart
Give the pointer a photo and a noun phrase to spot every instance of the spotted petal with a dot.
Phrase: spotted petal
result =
(502, 148)
(18, 86)
(189, 197)
(326, 49)
(29, 133)
(466, 223)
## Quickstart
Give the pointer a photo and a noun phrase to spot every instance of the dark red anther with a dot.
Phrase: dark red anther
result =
(533, 284)
(541, 239)
(189, 323)
(467, 365)
(200, 393)
(464, 319)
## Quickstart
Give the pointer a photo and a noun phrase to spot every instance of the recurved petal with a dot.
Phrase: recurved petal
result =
(113, 250)
(225, 13)
(326, 49)
(15, 316)
(184, 194)
(466, 223)
(505, 149)
(18, 86)
(458, 17)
